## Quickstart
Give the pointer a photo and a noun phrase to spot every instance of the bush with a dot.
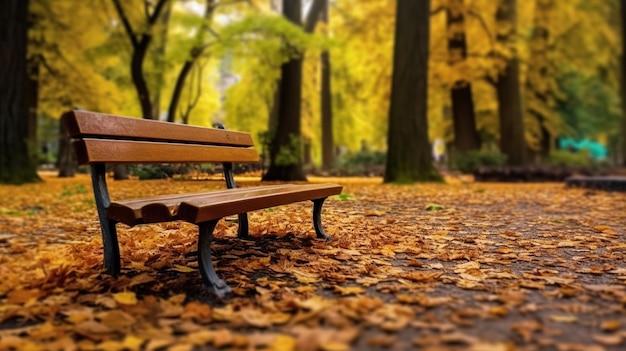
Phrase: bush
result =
(565, 158)
(468, 162)
(362, 162)
(159, 171)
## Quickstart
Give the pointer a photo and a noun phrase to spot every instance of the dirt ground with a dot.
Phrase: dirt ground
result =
(454, 266)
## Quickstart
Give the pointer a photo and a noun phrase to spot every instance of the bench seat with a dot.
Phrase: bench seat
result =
(201, 207)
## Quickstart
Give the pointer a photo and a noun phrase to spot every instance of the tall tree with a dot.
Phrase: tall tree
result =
(623, 82)
(159, 59)
(408, 154)
(466, 136)
(539, 101)
(286, 144)
(17, 152)
(286, 136)
(328, 145)
(194, 54)
(512, 142)
(140, 39)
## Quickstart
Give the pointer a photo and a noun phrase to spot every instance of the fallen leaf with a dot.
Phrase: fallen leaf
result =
(125, 298)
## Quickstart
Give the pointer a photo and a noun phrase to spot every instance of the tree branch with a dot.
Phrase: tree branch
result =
(314, 15)
(125, 22)
(157, 11)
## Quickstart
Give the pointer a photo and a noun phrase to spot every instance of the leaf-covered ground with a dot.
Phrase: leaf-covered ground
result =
(456, 266)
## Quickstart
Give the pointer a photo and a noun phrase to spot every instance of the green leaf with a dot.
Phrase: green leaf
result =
(433, 207)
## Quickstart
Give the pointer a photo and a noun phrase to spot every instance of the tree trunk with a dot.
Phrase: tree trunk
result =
(178, 89)
(328, 144)
(623, 82)
(139, 81)
(17, 153)
(286, 144)
(537, 90)
(512, 142)
(408, 153)
(140, 41)
(66, 162)
(466, 137)
(194, 54)
(158, 61)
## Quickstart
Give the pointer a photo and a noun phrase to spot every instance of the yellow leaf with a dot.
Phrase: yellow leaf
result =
(349, 290)
(21, 296)
(126, 298)
(132, 342)
(500, 311)
(283, 342)
(563, 318)
(183, 269)
(374, 213)
(334, 346)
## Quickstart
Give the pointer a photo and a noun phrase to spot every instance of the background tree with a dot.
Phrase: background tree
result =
(512, 142)
(17, 149)
(408, 154)
(195, 53)
(466, 137)
(540, 100)
(286, 140)
(623, 81)
(140, 39)
(328, 144)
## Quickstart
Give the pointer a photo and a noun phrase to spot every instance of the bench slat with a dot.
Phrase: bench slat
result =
(164, 208)
(202, 210)
(126, 151)
(100, 125)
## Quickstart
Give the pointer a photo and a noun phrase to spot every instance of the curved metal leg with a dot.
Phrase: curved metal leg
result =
(211, 281)
(317, 219)
(242, 232)
(109, 232)
(111, 247)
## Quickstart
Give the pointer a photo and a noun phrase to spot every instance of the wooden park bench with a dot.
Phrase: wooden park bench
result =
(101, 139)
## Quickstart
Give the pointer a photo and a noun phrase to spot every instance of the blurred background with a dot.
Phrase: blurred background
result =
(208, 62)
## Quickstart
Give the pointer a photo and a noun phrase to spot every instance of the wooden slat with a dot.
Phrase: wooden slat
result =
(100, 125)
(126, 151)
(203, 210)
(164, 208)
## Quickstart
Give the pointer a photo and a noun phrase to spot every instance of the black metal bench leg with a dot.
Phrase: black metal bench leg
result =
(242, 232)
(317, 219)
(210, 279)
(109, 232)
(111, 248)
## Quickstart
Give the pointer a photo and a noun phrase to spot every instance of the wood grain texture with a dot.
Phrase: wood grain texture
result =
(165, 208)
(99, 125)
(202, 210)
(126, 151)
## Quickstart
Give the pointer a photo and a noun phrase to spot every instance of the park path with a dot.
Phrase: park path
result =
(455, 266)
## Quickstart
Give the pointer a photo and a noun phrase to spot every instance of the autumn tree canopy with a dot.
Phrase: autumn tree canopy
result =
(208, 61)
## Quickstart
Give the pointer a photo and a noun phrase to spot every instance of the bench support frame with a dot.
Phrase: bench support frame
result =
(109, 232)
(210, 279)
(317, 219)
(242, 230)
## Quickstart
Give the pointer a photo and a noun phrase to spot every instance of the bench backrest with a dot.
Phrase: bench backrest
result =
(102, 138)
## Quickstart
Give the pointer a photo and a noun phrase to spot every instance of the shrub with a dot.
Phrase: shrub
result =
(468, 162)
(159, 171)
(362, 162)
(565, 158)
